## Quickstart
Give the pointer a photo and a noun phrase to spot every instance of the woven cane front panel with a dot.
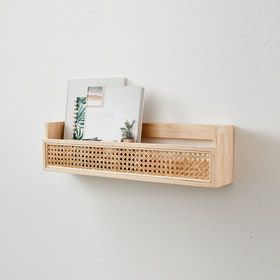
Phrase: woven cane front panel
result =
(192, 165)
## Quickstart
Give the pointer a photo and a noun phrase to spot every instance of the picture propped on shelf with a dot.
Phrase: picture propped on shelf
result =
(127, 132)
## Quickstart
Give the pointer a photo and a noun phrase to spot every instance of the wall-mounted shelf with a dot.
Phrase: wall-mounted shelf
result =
(200, 155)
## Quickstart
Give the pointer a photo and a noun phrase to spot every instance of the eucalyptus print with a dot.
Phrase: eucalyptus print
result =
(79, 121)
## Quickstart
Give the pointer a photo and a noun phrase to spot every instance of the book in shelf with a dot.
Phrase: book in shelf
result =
(109, 108)
(79, 88)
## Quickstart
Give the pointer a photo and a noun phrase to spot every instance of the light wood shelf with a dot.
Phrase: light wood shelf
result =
(191, 155)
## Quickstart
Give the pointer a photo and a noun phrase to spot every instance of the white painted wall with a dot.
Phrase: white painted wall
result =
(201, 62)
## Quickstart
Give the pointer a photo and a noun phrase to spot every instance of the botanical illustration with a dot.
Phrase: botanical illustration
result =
(80, 118)
(127, 131)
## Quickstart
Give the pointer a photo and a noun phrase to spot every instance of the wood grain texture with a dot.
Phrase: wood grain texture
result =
(178, 131)
(192, 165)
(223, 142)
(134, 177)
(54, 130)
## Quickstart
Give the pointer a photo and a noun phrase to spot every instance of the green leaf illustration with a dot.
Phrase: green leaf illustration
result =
(80, 118)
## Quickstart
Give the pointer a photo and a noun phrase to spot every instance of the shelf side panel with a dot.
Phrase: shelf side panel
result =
(54, 130)
(224, 148)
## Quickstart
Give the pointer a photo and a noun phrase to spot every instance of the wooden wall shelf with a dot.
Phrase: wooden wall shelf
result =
(200, 155)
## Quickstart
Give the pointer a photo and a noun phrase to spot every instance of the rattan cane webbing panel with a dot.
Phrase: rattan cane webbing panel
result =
(193, 165)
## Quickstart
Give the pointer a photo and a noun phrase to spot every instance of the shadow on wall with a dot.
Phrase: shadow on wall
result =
(238, 211)
(256, 163)
(257, 160)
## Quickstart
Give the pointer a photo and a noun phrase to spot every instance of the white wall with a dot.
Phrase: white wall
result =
(201, 62)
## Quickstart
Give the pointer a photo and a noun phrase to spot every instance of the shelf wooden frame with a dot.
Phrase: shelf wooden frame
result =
(205, 161)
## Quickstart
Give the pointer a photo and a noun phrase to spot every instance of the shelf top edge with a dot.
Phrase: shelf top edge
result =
(170, 123)
(158, 146)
